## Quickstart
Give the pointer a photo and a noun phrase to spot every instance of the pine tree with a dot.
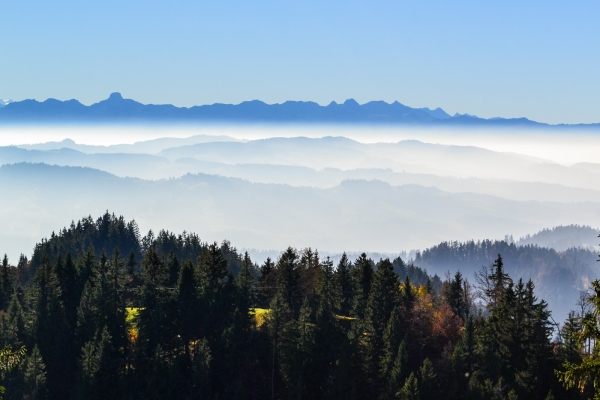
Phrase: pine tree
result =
(245, 286)
(188, 306)
(494, 282)
(427, 380)
(410, 390)
(201, 368)
(391, 338)
(309, 270)
(288, 280)
(454, 296)
(216, 287)
(16, 318)
(173, 266)
(155, 322)
(302, 369)
(97, 375)
(343, 283)
(267, 283)
(23, 269)
(571, 347)
(280, 325)
(384, 297)
(7, 285)
(51, 331)
(67, 278)
(35, 376)
(328, 336)
(398, 372)
(362, 275)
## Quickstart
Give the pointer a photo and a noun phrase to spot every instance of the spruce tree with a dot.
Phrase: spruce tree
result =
(454, 296)
(362, 276)
(288, 280)
(398, 372)
(410, 390)
(67, 277)
(344, 286)
(427, 380)
(384, 297)
(35, 375)
(267, 283)
(328, 336)
(6, 284)
(392, 338)
(51, 331)
(188, 306)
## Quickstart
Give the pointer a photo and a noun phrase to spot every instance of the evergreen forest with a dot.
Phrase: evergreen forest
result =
(103, 312)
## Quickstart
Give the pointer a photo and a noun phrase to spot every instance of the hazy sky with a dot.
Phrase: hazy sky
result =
(537, 59)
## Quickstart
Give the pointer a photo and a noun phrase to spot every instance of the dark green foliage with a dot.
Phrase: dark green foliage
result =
(343, 283)
(455, 296)
(34, 376)
(267, 283)
(362, 275)
(110, 315)
(384, 296)
(288, 280)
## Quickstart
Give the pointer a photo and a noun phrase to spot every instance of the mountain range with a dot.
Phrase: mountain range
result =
(116, 109)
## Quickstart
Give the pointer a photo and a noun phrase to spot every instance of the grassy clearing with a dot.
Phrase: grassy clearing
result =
(260, 315)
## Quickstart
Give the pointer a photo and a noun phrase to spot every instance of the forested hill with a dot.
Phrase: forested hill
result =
(105, 313)
(558, 275)
(356, 214)
(563, 237)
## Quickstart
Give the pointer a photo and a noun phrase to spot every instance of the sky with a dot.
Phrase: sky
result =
(537, 59)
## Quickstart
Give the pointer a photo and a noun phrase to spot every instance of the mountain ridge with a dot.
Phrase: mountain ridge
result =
(116, 109)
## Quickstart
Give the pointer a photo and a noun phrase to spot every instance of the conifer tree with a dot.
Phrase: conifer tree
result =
(288, 280)
(584, 375)
(155, 323)
(454, 296)
(67, 277)
(392, 338)
(267, 283)
(410, 390)
(51, 331)
(98, 376)
(16, 318)
(398, 372)
(383, 298)
(201, 371)
(493, 282)
(173, 266)
(23, 269)
(344, 287)
(362, 275)
(6, 284)
(35, 376)
(328, 336)
(280, 325)
(216, 287)
(245, 297)
(427, 380)
(188, 306)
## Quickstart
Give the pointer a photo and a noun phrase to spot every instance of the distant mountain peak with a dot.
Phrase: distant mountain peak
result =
(464, 115)
(115, 96)
(118, 109)
(438, 113)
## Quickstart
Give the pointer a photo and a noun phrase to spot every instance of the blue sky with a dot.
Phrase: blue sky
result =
(539, 59)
